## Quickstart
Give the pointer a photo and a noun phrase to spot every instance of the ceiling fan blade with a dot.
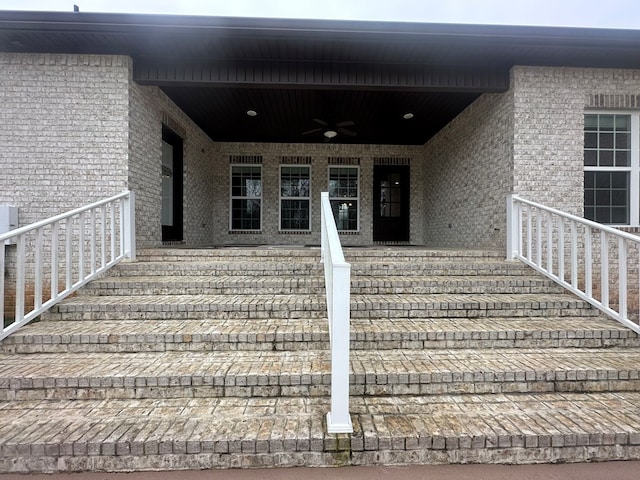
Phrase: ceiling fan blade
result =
(347, 132)
(309, 132)
(346, 123)
(321, 122)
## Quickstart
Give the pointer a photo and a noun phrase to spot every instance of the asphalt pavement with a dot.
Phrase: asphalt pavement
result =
(624, 470)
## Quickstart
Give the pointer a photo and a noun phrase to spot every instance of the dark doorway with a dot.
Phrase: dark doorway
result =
(391, 203)
(172, 162)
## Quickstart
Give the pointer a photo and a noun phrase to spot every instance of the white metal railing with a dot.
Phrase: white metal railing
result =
(600, 264)
(337, 275)
(65, 252)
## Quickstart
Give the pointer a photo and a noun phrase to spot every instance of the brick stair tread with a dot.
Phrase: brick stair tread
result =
(396, 300)
(356, 281)
(248, 432)
(311, 366)
(314, 262)
(252, 330)
(278, 252)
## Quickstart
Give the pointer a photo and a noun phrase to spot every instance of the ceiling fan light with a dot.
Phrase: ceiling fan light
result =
(330, 133)
(408, 116)
(252, 113)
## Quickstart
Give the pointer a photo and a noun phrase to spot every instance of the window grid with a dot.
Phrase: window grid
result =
(611, 168)
(295, 198)
(246, 198)
(344, 196)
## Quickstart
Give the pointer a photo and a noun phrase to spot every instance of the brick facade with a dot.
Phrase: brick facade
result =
(63, 131)
(77, 128)
(319, 155)
(150, 109)
(468, 169)
(549, 106)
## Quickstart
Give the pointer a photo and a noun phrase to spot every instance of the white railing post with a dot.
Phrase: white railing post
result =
(2, 294)
(337, 285)
(338, 418)
(129, 222)
(622, 277)
(514, 231)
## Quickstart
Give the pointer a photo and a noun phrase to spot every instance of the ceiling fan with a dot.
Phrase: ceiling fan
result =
(329, 132)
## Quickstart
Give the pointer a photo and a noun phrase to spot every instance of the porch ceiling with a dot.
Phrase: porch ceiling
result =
(294, 71)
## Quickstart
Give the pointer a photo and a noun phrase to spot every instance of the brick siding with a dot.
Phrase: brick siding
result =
(319, 161)
(63, 131)
(468, 167)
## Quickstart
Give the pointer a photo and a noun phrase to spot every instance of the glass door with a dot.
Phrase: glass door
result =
(391, 203)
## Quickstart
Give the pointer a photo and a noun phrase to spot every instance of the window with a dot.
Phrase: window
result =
(295, 196)
(611, 168)
(344, 196)
(246, 197)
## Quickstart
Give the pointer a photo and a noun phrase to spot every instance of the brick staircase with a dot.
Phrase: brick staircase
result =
(217, 358)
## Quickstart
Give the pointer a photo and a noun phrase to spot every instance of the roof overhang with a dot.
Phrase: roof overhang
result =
(294, 71)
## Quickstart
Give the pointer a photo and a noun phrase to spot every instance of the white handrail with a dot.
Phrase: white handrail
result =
(576, 253)
(92, 244)
(337, 274)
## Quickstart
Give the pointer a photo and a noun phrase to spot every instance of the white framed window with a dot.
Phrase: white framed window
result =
(246, 198)
(344, 195)
(612, 168)
(295, 197)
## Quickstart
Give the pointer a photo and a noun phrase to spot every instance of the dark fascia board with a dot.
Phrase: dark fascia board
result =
(407, 31)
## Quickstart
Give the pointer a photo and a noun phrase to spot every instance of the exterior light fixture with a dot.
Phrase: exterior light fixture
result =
(330, 134)
(252, 113)
(408, 116)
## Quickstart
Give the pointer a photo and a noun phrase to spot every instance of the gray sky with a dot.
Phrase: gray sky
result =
(577, 13)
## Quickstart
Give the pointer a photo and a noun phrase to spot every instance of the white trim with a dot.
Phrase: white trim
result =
(232, 197)
(281, 198)
(634, 180)
(357, 198)
(633, 168)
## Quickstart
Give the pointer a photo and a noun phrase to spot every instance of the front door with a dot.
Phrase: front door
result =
(391, 203)
(171, 186)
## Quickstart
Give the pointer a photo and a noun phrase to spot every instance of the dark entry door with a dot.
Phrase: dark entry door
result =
(172, 160)
(391, 203)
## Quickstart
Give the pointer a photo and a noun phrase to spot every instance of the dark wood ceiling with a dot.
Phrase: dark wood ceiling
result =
(294, 71)
(285, 114)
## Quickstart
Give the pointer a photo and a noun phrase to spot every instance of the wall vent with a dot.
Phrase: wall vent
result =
(249, 159)
(391, 161)
(295, 160)
(344, 161)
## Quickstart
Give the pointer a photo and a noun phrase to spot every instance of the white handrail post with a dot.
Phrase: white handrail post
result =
(622, 277)
(323, 228)
(2, 254)
(337, 286)
(338, 418)
(513, 230)
(129, 222)
(20, 276)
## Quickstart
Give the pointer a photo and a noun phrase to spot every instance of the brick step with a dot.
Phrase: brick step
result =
(307, 373)
(243, 267)
(312, 334)
(278, 253)
(194, 434)
(194, 307)
(297, 267)
(238, 285)
(264, 253)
